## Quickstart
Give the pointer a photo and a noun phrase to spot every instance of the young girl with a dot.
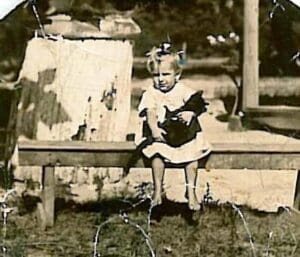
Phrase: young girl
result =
(171, 129)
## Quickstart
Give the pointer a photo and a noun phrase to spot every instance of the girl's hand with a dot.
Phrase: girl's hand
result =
(186, 117)
(158, 134)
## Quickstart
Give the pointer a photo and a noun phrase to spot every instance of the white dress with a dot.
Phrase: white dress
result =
(176, 98)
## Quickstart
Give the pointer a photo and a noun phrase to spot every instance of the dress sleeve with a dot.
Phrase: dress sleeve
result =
(186, 92)
(147, 102)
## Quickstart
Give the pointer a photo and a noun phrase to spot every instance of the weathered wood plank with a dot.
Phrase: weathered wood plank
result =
(77, 146)
(74, 158)
(250, 161)
(48, 196)
(279, 117)
(121, 159)
(256, 147)
(119, 154)
(274, 109)
(130, 146)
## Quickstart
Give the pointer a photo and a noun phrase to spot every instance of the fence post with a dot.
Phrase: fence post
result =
(250, 65)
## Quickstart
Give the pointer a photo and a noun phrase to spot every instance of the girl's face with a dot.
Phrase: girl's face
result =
(164, 76)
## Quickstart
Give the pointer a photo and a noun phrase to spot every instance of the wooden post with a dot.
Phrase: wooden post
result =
(250, 65)
(48, 196)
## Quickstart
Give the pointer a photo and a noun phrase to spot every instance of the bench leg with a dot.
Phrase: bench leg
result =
(48, 197)
(297, 192)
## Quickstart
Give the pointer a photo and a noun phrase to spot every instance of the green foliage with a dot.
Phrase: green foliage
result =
(178, 20)
(185, 21)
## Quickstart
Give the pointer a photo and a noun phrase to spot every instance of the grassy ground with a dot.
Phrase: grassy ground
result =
(216, 231)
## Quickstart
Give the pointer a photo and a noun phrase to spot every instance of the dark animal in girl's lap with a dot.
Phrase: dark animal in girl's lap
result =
(179, 132)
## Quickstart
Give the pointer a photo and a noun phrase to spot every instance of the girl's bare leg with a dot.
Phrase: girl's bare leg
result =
(191, 178)
(158, 170)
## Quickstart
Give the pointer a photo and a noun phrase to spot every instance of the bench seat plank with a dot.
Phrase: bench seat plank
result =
(121, 154)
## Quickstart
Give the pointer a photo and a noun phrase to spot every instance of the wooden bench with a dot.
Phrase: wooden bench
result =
(49, 154)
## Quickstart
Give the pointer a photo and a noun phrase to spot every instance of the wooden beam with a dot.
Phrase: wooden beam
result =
(76, 145)
(213, 63)
(75, 158)
(278, 117)
(254, 161)
(130, 147)
(120, 154)
(250, 65)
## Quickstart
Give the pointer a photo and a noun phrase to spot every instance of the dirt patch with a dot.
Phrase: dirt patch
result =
(174, 231)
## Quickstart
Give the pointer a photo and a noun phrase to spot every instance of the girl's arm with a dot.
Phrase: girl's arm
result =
(156, 131)
(147, 109)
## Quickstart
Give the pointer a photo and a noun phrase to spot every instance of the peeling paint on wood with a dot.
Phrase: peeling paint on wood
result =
(83, 73)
